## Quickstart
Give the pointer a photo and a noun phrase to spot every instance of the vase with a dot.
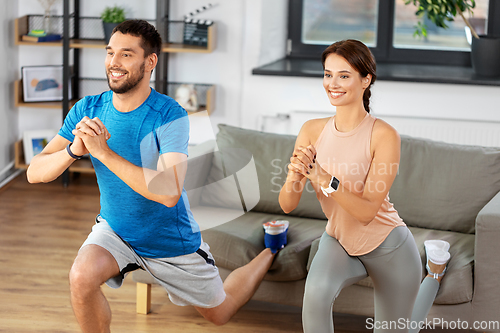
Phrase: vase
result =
(108, 29)
(485, 55)
(47, 22)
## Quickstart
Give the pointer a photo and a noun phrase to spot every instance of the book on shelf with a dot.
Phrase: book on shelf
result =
(40, 39)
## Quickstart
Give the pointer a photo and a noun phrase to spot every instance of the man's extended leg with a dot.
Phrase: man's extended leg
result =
(92, 267)
(239, 286)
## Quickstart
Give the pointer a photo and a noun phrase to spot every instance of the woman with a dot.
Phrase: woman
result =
(352, 160)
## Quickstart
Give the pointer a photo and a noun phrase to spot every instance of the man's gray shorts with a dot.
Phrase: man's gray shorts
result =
(191, 279)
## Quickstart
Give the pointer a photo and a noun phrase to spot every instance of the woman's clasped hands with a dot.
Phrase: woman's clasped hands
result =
(304, 163)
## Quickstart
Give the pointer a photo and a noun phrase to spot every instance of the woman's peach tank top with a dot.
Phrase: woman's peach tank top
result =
(346, 155)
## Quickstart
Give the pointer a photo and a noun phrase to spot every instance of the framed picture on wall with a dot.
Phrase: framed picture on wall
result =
(35, 141)
(43, 83)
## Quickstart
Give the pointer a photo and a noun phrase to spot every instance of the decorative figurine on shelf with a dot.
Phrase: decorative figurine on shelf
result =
(47, 21)
(185, 95)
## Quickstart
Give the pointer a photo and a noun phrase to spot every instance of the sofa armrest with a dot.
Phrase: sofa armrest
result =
(486, 299)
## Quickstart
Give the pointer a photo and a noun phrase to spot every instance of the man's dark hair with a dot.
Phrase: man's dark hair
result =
(150, 38)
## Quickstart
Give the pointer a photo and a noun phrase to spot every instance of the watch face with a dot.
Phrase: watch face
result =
(335, 183)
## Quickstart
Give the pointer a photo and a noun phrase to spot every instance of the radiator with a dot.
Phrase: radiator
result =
(465, 132)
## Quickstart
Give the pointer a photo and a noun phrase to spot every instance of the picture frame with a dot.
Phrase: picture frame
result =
(35, 141)
(43, 83)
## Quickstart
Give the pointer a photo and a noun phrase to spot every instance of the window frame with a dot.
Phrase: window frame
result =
(384, 52)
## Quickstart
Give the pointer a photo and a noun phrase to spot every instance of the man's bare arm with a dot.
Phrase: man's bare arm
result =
(54, 158)
(51, 162)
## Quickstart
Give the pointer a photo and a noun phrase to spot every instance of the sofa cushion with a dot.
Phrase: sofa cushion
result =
(271, 154)
(443, 186)
(236, 243)
(456, 286)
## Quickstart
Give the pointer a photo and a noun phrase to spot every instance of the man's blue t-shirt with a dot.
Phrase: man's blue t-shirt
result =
(156, 127)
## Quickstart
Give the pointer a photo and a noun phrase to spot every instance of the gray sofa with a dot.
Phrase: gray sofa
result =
(442, 191)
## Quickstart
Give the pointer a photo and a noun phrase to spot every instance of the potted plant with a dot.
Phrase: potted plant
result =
(111, 17)
(485, 50)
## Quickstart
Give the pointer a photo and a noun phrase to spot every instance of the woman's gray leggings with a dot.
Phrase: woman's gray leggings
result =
(395, 269)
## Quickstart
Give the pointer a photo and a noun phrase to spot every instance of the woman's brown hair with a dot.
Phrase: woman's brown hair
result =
(359, 56)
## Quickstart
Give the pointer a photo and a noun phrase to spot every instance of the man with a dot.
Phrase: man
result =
(137, 139)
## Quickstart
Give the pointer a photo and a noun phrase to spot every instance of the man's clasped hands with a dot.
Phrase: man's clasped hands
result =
(90, 137)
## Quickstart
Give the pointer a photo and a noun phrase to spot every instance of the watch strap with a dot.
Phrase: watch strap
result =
(332, 187)
(76, 157)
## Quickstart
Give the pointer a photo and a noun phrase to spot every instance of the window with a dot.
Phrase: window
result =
(387, 27)
(327, 20)
(452, 39)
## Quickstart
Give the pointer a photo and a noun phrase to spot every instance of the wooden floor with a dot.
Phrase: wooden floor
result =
(41, 228)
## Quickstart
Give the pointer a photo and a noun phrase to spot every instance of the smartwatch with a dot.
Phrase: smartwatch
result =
(76, 157)
(334, 185)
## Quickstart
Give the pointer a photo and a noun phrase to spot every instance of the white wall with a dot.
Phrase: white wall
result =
(265, 96)
(252, 33)
(268, 95)
(223, 67)
(8, 70)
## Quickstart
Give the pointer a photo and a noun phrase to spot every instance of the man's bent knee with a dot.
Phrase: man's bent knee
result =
(218, 320)
(81, 281)
(216, 316)
(92, 267)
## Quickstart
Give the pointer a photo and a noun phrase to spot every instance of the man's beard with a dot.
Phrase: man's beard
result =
(129, 84)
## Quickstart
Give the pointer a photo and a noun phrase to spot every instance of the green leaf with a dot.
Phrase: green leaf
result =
(114, 14)
(439, 12)
(424, 30)
(420, 30)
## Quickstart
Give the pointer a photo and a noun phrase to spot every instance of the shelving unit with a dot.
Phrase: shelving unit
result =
(207, 101)
(22, 27)
(73, 39)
